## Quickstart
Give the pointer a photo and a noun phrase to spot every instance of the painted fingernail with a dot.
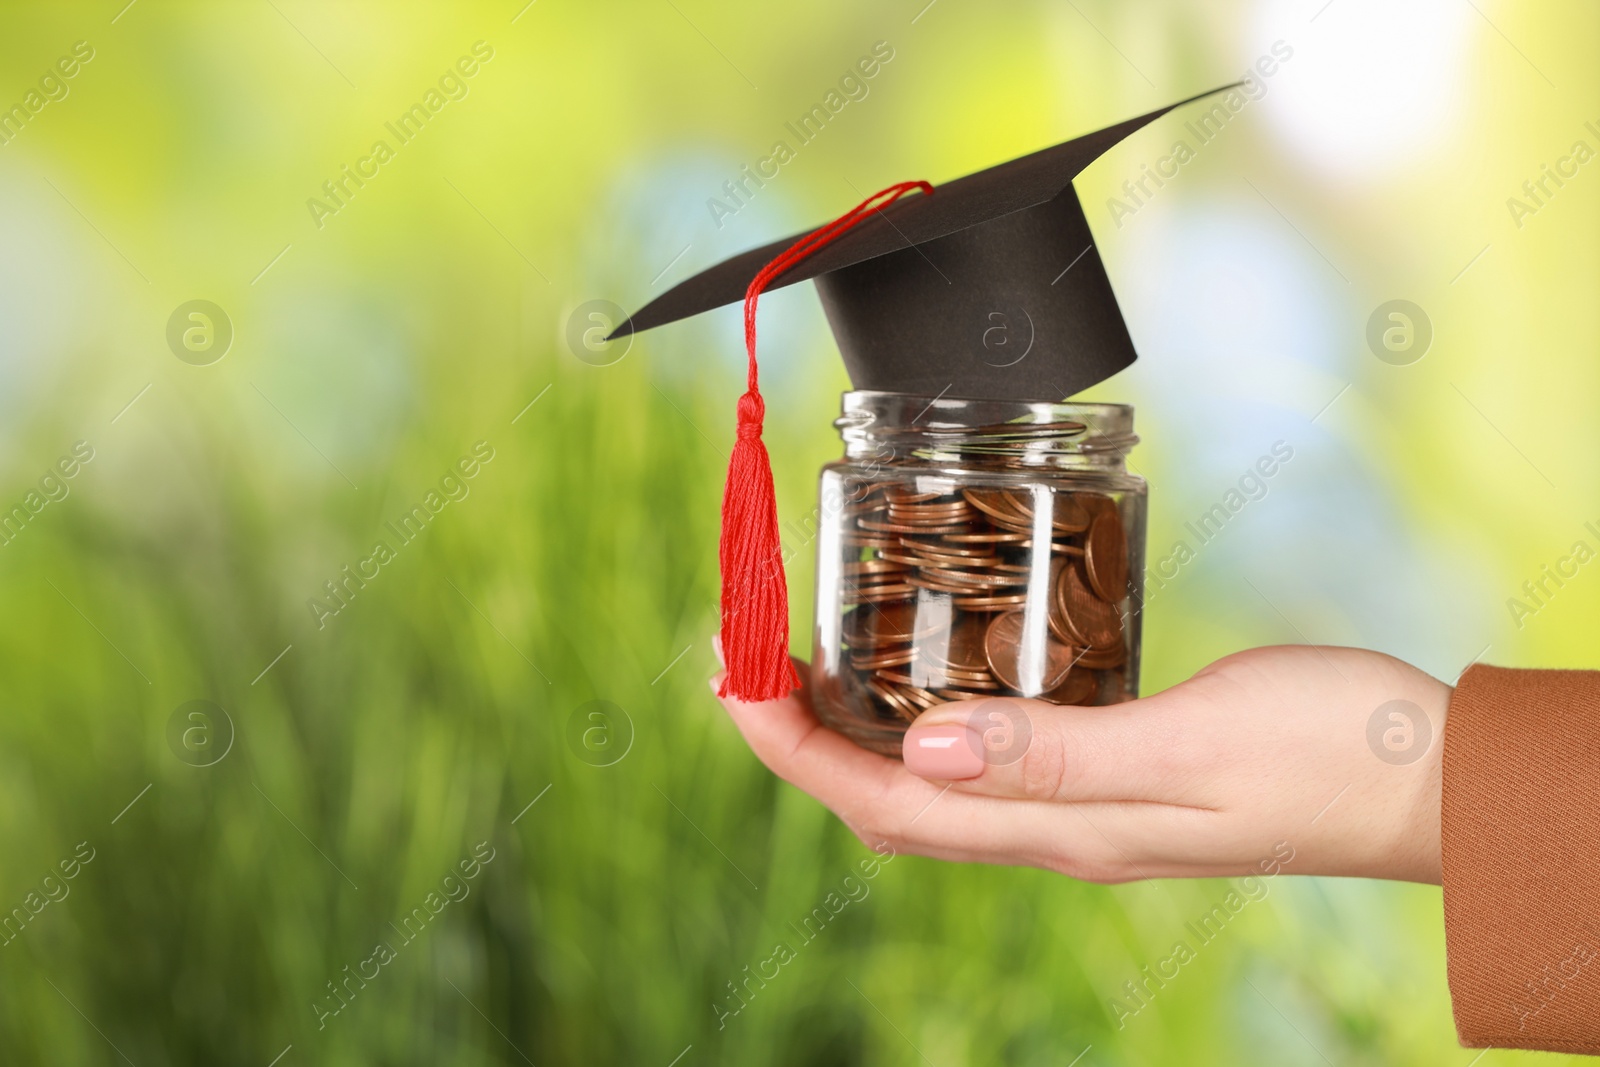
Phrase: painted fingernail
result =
(947, 752)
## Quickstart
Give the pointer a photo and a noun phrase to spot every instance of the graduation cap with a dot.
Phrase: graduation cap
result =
(912, 285)
(990, 289)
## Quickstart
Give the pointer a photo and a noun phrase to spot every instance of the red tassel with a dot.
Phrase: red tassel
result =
(755, 594)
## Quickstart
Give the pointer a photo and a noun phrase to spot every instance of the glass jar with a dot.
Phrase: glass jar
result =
(975, 548)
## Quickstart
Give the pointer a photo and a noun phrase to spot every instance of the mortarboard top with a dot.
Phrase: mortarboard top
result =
(990, 288)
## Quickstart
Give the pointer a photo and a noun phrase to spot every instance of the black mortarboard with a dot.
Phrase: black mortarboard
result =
(989, 288)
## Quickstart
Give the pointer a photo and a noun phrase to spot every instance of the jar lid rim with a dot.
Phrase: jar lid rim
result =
(1087, 407)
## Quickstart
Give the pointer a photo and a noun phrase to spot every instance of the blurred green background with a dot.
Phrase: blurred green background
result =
(374, 346)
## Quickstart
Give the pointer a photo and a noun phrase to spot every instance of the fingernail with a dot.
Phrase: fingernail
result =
(716, 646)
(716, 684)
(947, 752)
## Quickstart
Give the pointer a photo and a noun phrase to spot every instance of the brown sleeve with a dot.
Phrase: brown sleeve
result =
(1521, 854)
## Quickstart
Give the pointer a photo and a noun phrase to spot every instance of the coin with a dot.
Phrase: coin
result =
(874, 566)
(1097, 659)
(990, 603)
(1106, 557)
(920, 697)
(905, 528)
(877, 660)
(996, 504)
(897, 494)
(896, 703)
(973, 562)
(942, 548)
(870, 627)
(962, 650)
(1004, 646)
(968, 581)
(1078, 686)
(886, 594)
(961, 562)
(1090, 620)
(907, 687)
(991, 537)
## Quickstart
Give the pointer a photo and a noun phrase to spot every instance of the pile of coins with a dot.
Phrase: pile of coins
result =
(935, 586)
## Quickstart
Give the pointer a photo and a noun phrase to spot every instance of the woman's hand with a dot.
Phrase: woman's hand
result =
(1335, 751)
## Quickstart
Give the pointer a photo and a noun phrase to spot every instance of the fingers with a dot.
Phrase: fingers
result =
(1145, 750)
(888, 807)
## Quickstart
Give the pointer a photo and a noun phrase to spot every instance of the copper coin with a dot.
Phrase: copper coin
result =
(1067, 512)
(1070, 514)
(872, 627)
(874, 566)
(877, 581)
(929, 512)
(1060, 548)
(896, 703)
(931, 559)
(903, 528)
(877, 659)
(908, 688)
(1100, 659)
(946, 549)
(993, 537)
(889, 594)
(962, 648)
(899, 494)
(857, 540)
(970, 581)
(965, 694)
(1003, 644)
(1090, 620)
(1106, 557)
(973, 678)
(1078, 687)
(972, 562)
(990, 603)
(994, 503)
(920, 697)
(933, 585)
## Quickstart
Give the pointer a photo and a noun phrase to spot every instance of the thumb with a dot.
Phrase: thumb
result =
(1034, 750)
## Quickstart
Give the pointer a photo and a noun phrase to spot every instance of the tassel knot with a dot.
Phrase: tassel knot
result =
(752, 413)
